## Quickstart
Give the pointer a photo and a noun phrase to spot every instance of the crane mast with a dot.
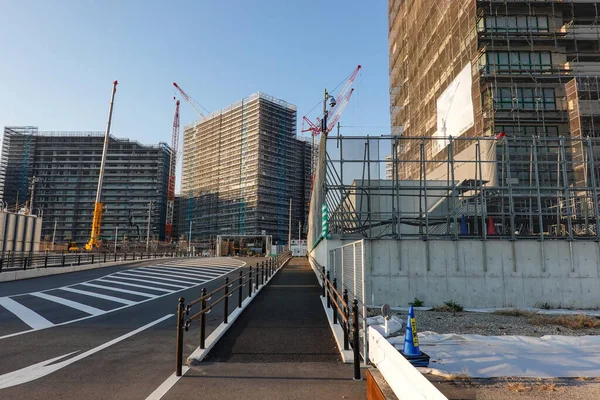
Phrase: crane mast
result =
(172, 172)
(97, 218)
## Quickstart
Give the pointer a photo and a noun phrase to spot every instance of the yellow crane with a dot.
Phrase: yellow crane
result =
(97, 219)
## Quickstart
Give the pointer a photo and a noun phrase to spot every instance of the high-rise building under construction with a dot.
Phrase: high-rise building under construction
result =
(477, 68)
(66, 167)
(241, 166)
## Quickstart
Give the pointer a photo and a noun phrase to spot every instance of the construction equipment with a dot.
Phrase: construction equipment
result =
(195, 105)
(97, 218)
(172, 172)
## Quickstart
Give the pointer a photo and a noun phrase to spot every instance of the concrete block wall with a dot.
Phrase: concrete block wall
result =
(480, 274)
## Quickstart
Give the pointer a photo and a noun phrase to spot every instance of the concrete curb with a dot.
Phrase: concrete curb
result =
(338, 334)
(199, 354)
(10, 276)
(404, 379)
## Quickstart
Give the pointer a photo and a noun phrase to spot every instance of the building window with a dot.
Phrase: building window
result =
(531, 130)
(524, 99)
(515, 23)
(515, 61)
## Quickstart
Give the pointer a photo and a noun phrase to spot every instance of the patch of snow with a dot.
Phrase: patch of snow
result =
(395, 324)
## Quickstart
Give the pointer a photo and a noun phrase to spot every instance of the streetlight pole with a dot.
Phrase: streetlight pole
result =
(290, 227)
(53, 234)
(116, 236)
(190, 238)
(148, 230)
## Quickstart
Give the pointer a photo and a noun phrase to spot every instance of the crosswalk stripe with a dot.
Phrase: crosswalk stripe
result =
(69, 303)
(114, 289)
(135, 285)
(30, 317)
(118, 276)
(164, 273)
(100, 296)
(179, 271)
(158, 277)
(217, 270)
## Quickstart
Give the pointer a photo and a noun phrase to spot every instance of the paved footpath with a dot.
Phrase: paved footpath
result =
(281, 347)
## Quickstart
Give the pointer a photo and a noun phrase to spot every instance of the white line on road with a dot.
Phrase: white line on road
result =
(114, 289)
(69, 303)
(197, 271)
(119, 276)
(100, 296)
(42, 369)
(103, 280)
(160, 276)
(30, 317)
(175, 272)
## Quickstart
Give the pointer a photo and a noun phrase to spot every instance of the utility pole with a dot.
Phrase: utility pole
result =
(290, 227)
(53, 234)
(116, 236)
(148, 230)
(190, 238)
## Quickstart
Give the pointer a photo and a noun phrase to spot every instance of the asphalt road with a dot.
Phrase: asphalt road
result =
(107, 333)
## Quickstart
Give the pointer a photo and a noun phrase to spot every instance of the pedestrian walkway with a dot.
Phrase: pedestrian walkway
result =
(281, 347)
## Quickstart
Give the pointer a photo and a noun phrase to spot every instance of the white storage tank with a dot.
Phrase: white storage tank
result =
(10, 232)
(29, 231)
(37, 234)
(20, 231)
(3, 216)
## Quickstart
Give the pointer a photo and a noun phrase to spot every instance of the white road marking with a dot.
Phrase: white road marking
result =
(119, 276)
(187, 270)
(42, 369)
(167, 385)
(30, 317)
(178, 272)
(160, 276)
(114, 289)
(69, 303)
(100, 296)
(133, 285)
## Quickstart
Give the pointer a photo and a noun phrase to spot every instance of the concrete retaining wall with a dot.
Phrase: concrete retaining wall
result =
(480, 274)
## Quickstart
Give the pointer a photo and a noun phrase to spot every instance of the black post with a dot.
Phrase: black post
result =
(24, 262)
(203, 320)
(327, 292)
(323, 281)
(104, 257)
(45, 262)
(335, 317)
(63, 260)
(79, 259)
(262, 272)
(355, 343)
(125, 257)
(92, 258)
(240, 282)
(250, 283)
(256, 276)
(226, 301)
(2, 263)
(179, 350)
(115, 256)
(346, 325)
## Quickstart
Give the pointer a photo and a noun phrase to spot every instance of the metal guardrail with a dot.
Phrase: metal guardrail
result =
(341, 314)
(257, 276)
(23, 261)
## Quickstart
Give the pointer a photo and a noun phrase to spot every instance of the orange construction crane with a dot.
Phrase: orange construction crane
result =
(97, 219)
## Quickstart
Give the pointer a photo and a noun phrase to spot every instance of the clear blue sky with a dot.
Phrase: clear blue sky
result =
(59, 58)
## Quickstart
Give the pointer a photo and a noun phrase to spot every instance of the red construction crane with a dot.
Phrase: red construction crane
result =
(195, 105)
(172, 172)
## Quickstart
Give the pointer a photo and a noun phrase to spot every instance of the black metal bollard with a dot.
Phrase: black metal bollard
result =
(63, 260)
(240, 282)
(250, 283)
(262, 272)
(92, 258)
(328, 295)
(203, 320)
(226, 301)
(256, 276)
(323, 281)
(115, 256)
(355, 343)
(335, 317)
(345, 325)
(125, 257)
(179, 349)
(104, 257)
(78, 259)
(24, 261)
(2, 263)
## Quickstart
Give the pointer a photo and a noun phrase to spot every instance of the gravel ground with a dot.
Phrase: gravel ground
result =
(488, 324)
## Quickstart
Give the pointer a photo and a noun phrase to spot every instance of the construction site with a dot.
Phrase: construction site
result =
(244, 172)
(57, 172)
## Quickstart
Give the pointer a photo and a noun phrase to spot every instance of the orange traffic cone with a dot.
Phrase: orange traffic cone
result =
(491, 227)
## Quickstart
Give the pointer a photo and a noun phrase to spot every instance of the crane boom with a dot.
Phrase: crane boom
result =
(172, 174)
(97, 218)
(195, 105)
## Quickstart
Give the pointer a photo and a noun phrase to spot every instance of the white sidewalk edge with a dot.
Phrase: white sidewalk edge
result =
(404, 379)
(199, 354)
(338, 333)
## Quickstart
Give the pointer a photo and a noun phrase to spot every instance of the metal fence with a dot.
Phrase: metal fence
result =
(454, 188)
(22, 261)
